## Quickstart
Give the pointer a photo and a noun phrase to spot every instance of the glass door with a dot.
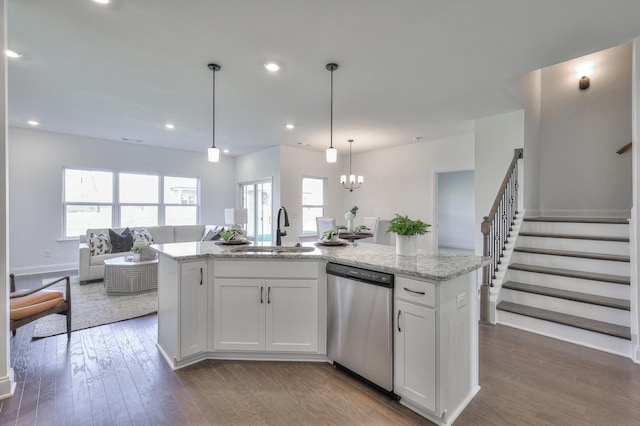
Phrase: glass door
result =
(257, 199)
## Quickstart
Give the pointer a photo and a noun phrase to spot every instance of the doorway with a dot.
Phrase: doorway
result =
(455, 207)
(257, 198)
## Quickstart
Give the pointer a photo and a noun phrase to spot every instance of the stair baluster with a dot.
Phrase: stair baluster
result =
(496, 228)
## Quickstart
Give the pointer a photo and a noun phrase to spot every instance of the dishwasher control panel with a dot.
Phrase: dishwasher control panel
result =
(373, 277)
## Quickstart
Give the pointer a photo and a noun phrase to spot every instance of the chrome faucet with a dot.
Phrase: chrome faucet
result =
(286, 223)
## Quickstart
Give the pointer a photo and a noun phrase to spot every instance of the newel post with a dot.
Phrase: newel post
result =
(485, 288)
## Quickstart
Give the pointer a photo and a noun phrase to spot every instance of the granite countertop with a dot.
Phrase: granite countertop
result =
(430, 265)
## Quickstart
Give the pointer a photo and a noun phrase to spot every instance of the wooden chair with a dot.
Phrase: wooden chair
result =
(26, 306)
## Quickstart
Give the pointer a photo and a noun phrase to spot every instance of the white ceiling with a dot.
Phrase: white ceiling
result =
(407, 68)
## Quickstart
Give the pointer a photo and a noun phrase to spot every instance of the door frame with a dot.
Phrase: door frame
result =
(434, 213)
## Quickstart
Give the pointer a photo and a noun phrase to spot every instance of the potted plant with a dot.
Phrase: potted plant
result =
(330, 236)
(349, 215)
(407, 232)
(362, 228)
(137, 251)
(231, 234)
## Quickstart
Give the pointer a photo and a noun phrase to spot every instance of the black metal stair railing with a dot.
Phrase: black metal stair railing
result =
(496, 229)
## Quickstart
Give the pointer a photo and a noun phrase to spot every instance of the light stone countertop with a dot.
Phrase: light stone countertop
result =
(429, 265)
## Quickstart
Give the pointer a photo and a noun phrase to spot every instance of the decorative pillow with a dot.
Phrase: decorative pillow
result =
(99, 244)
(213, 234)
(120, 242)
(142, 236)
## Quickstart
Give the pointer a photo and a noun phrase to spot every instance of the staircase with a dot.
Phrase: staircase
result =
(569, 278)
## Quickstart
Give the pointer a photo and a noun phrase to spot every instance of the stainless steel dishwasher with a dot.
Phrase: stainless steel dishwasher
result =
(359, 318)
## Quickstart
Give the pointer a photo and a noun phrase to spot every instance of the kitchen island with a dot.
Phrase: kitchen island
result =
(263, 303)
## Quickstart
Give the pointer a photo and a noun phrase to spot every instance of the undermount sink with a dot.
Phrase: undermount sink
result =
(271, 249)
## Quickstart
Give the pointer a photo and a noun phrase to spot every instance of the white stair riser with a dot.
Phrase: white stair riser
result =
(600, 229)
(569, 307)
(617, 291)
(573, 263)
(589, 246)
(578, 336)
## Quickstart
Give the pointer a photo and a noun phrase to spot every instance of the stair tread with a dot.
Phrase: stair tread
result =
(609, 302)
(616, 279)
(581, 254)
(574, 236)
(565, 319)
(614, 220)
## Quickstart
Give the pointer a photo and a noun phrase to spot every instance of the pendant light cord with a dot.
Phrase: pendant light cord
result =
(213, 109)
(350, 144)
(331, 109)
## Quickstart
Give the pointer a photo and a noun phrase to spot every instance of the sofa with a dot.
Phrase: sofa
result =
(91, 267)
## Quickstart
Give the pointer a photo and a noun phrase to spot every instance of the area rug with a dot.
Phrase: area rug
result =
(90, 307)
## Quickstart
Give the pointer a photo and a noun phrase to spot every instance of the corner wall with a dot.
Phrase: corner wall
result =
(635, 214)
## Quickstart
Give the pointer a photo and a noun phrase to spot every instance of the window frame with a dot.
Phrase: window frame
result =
(116, 205)
(325, 185)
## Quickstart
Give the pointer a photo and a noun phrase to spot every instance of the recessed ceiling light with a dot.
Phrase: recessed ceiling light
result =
(226, 151)
(102, 1)
(169, 126)
(272, 66)
(12, 53)
(290, 126)
(33, 123)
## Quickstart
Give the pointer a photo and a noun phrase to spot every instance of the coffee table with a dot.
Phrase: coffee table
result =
(122, 276)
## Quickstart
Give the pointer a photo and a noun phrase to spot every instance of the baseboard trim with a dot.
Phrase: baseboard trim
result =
(7, 385)
(42, 269)
(617, 213)
(457, 246)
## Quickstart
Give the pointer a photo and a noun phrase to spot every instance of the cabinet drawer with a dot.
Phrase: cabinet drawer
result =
(415, 291)
(265, 269)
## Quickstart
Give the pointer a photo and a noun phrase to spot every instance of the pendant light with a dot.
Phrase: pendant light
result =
(214, 153)
(354, 182)
(332, 153)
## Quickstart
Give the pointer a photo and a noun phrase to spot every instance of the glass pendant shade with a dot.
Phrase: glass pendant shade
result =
(332, 155)
(214, 154)
(343, 179)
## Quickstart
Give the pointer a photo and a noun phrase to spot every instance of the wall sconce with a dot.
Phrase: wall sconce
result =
(582, 72)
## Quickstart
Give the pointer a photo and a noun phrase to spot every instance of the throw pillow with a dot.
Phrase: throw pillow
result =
(120, 242)
(99, 244)
(142, 236)
(213, 234)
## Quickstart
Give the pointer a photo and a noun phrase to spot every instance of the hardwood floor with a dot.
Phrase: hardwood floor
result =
(114, 374)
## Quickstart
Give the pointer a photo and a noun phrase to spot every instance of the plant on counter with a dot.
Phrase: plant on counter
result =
(231, 234)
(402, 225)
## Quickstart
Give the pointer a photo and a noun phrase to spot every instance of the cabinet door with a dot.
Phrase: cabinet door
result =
(239, 309)
(415, 353)
(292, 315)
(193, 308)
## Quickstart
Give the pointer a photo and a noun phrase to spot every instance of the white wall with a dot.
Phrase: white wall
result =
(527, 91)
(495, 139)
(7, 383)
(580, 134)
(635, 217)
(35, 190)
(455, 206)
(401, 179)
(296, 164)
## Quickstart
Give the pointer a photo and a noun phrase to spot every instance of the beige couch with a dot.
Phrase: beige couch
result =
(92, 267)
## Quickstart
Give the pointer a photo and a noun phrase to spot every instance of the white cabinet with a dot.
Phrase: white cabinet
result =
(415, 353)
(238, 314)
(193, 308)
(274, 314)
(436, 360)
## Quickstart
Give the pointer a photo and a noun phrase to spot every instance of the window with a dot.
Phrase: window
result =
(312, 203)
(180, 201)
(95, 199)
(88, 200)
(138, 199)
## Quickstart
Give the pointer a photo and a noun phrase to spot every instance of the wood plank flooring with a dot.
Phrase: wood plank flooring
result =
(114, 374)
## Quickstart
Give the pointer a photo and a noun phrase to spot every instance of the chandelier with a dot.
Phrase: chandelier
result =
(354, 182)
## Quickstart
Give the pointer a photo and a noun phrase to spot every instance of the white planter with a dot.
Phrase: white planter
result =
(406, 245)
